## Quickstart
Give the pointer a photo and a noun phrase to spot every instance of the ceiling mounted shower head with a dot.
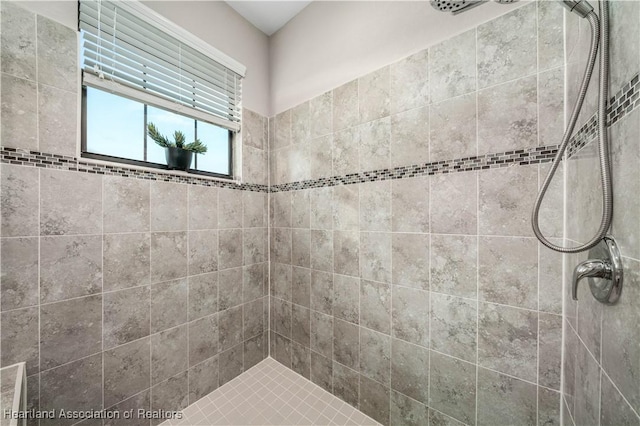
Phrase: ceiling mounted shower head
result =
(455, 6)
(459, 6)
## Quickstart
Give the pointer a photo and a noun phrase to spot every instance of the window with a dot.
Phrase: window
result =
(138, 69)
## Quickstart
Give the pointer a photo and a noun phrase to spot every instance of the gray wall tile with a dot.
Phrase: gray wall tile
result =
(57, 55)
(301, 286)
(70, 330)
(345, 106)
(453, 128)
(346, 384)
(126, 316)
(346, 344)
(409, 82)
(454, 261)
(620, 328)
(140, 401)
(169, 354)
(508, 116)
(205, 247)
(168, 256)
(73, 387)
(230, 327)
(126, 260)
(452, 387)
(452, 67)
(373, 95)
(58, 191)
(508, 271)
(57, 133)
(549, 406)
(254, 129)
(374, 400)
(203, 295)
(410, 137)
(18, 42)
(410, 205)
(346, 252)
(20, 200)
(19, 284)
(508, 340)
(168, 304)
(172, 394)
(231, 364)
(501, 397)
(169, 205)
(410, 315)
(375, 256)
(410, 260)
(322, 334)
(20, 341)
(320, 115)
(230, 208)
(410, 370)
(407, 411)
(346, 151)
(375, 355)
(454, 203)
(70, 266)
(346, 298)
(203, 379)
(375, 144)
(126, 205)
(375, 306)
(322, 371)
(300, 132)
(454, 326)
(507, 47)
(126, 371)
(506, 200)
(550, 350)
(19, 113)
(203, 339)
(301, 325)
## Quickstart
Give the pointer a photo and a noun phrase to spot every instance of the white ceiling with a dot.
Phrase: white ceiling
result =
(268, 16)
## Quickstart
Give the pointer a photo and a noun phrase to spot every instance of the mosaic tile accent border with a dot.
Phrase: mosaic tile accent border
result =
(522, 157)
(621, 104)
(62, 162)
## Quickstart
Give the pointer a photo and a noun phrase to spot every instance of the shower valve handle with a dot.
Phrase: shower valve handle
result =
(604, 270)
(595, 268)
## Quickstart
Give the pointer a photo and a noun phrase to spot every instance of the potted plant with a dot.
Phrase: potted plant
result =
(178, 153)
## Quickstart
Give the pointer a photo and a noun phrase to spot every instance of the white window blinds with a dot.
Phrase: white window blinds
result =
(132, 51)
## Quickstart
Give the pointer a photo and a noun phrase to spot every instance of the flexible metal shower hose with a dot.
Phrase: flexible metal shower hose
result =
(599, 30)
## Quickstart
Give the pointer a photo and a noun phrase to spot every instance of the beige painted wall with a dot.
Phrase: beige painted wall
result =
(332, 42)
(212, 21)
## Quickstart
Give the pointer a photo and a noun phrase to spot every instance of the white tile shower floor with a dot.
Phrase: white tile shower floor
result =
(270, 394)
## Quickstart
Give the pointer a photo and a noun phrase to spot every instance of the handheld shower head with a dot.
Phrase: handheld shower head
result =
(581, 7)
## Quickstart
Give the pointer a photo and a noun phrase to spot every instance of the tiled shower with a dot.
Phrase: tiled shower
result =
(379, 242)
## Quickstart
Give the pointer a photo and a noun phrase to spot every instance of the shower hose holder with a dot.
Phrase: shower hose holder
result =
(604, 270)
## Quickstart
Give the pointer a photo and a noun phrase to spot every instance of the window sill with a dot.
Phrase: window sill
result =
(178, 173)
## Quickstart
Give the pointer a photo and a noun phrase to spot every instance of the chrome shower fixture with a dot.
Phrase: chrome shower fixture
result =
(459, 6)
(581, 7)
(455, 6)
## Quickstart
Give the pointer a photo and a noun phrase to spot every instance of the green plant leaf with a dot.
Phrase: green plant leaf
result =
(157, 137)
(196, 146)
(179, 137)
